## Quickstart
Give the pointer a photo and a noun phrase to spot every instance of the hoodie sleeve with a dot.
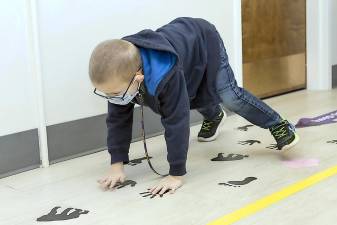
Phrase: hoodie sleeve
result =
(175, 112)
(119, 123)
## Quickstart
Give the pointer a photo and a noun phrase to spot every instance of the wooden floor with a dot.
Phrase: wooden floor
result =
(29, 195)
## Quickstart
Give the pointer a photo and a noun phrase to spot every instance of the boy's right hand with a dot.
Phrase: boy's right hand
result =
(115, 175)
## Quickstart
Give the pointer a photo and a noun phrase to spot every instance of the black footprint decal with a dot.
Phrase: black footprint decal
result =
(230, 157)
(249, 142)
(148, 193)
(53, 216)
(332, 142)
(272, 146)
(244, 128)
(137, 161)
(120, 185)
(247, 180)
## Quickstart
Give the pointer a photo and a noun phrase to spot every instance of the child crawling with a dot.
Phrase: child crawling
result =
(182, 65)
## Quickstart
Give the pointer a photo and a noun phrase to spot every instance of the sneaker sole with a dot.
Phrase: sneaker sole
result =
(202, 139)
(292, 144)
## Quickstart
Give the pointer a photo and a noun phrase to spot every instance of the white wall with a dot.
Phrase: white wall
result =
(17, 101)
(320, 43)
(69, 30)
(46, 45)
(333, 28)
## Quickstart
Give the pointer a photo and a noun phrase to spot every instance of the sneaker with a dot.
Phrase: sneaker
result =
(210, 129)
(285, 135)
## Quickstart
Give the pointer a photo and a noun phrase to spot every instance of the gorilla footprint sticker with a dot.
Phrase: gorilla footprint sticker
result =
(65, 215)
(230, 157)
(137, 161)
(272, 146)
(247, 180)
(148, 193)
(120, 185)
(244, 128)
(249, 142)
(332, 142)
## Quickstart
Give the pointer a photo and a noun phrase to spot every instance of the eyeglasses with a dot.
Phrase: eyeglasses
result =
(118, 96)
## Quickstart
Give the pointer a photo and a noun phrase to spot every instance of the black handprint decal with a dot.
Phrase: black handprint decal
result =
(53, 216)
(125, 183)
(272, 146)
(137, 161)
(332, 142)
(247, 180)
(148, 193)
(249, 142)
(244, 128)
(230, 157)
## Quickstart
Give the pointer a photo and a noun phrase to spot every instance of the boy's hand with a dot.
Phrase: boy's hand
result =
(115, 175)
(171, 183)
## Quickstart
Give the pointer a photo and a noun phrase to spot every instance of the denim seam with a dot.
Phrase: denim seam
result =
(247, 101)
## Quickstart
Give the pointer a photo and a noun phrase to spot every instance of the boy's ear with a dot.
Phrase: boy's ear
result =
(139, 77)
(139, 72)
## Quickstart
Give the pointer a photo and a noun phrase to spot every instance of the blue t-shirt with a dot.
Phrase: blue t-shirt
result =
(156, 64)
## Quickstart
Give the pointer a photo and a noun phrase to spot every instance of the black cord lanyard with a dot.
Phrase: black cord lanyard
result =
(144, 141)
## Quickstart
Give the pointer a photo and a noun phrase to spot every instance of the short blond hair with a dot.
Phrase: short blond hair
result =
(114, 58)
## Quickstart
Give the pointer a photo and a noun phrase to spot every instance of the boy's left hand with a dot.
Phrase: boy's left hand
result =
(171, 183)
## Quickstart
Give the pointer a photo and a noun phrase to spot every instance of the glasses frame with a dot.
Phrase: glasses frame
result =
(118, 97)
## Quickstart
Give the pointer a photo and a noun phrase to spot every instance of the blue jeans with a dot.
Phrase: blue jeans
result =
(237, 99)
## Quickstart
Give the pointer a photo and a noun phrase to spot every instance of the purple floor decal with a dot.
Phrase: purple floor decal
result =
(319, 120)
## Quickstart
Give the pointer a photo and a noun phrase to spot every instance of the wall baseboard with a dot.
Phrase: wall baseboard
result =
(86, 136)
(334, 76)
(19, 152)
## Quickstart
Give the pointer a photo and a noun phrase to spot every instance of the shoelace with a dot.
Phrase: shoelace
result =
(280, 131)
(206, 125)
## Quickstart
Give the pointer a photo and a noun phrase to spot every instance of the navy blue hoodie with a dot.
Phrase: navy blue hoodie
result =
(189, 84)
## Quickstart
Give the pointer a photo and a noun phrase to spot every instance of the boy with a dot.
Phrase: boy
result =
(180, 66)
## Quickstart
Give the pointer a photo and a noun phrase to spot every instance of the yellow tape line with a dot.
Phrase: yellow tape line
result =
(273, 198)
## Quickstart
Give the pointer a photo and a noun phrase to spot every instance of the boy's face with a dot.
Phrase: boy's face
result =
(115, 86)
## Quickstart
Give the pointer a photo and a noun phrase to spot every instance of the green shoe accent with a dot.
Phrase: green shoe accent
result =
(285, 135)
(210, 129)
